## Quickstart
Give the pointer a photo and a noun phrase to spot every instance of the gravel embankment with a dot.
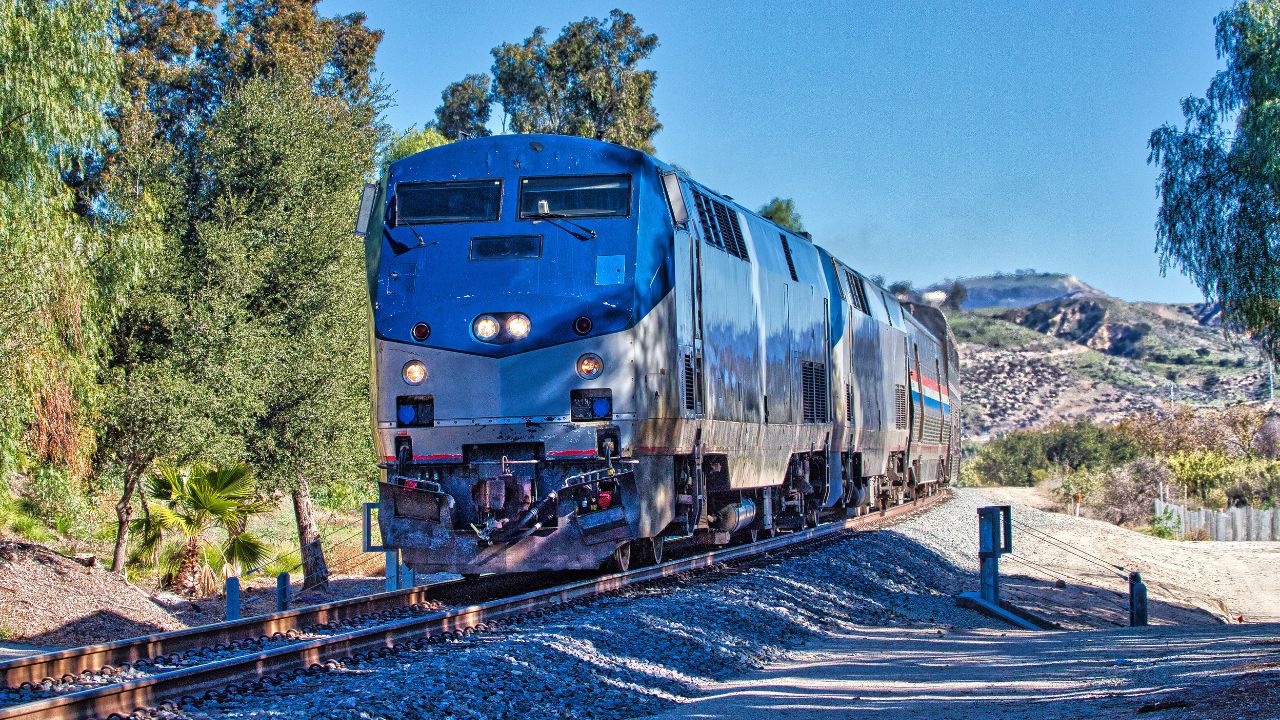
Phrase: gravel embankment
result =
(638, 652)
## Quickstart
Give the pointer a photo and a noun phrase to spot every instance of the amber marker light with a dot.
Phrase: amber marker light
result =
(590, 365)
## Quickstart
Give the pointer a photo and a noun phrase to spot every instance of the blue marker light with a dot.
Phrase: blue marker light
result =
(600, 407)
(406, 413)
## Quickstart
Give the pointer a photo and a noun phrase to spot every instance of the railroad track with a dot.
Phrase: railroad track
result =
(384, 622)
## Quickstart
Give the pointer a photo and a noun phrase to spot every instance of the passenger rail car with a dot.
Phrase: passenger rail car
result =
(580, 351)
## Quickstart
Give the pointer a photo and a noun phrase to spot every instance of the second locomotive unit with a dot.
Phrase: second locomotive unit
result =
(579, 352)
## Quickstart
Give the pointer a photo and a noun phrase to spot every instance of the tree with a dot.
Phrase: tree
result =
(956, 295)
(1219, 188)
(903, 290)
(466, 108)
(184, 374)
(584, 83)
(783, 212)
(193, 506)
(58, 69)
(409, 142)
(288, 164)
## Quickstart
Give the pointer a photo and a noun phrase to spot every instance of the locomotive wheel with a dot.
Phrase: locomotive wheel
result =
(620, 561)
(649, 551)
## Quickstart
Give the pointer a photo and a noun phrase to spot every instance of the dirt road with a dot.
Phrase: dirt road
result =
(895, 673)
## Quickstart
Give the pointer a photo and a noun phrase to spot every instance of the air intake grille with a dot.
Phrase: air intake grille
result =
(900, 406)
(932, 428)
(848, 402)
(786, 250)
(813, 382)
(692, 382)
(720, 226)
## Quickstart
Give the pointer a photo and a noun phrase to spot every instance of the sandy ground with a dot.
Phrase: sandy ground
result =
(1229, 672)
(1232, 581)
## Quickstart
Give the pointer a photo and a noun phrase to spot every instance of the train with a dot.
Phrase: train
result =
(581, 353)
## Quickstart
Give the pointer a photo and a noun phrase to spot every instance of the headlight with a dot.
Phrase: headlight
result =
(590, 365)
(414, 372)
(486, 327)
(518, 326)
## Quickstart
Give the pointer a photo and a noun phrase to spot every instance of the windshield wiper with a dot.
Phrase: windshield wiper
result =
(585, 234)
(400, 248)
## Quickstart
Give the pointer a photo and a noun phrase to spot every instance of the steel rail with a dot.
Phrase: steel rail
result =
(94, 658)
(143, 694)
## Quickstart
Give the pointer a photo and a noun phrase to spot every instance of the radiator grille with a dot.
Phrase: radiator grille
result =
(813, 382)
(786, 250)
(900, 406)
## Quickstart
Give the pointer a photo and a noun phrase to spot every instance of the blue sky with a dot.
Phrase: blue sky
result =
(920, 140)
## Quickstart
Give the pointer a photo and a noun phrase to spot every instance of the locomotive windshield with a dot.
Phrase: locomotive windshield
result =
(577, 196)
(444, 202)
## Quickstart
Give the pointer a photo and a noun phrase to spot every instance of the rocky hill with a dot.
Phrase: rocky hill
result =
(1019, 289)
(1096, 356)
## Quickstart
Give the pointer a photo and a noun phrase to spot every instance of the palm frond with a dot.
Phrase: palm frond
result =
(245, 550)
(232, 481)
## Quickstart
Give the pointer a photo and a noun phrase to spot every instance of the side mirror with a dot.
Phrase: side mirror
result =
(675, 199)
(368, 194)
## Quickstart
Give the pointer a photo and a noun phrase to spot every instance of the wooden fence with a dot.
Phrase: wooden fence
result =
(1233, 524)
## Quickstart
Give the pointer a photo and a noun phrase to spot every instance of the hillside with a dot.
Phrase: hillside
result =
(1019, 289)
(1097, 357)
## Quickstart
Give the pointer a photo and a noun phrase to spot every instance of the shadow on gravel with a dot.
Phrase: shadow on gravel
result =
(1077, 606)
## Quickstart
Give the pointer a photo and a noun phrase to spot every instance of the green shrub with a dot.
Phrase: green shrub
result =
(1166, 525)
(1028, 456)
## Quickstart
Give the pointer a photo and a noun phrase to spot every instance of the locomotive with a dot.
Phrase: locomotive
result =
(580, 352)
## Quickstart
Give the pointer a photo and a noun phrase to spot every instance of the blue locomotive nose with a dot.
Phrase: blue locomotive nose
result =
(548, 228)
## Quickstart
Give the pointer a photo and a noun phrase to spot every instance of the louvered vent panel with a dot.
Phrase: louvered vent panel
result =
(900, 406)
(690, 382)
(857, 299)
(735, 229)
(786, 250)
(848, 402)
(813, 383)
(727, 223)
(721, 227)
(707, 218)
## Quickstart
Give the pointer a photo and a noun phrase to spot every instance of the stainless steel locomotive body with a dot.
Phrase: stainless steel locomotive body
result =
(749, 380)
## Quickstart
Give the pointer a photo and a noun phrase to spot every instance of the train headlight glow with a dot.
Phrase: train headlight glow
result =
(486, 327)
(414, 372)
(589, 366)
(518, 326)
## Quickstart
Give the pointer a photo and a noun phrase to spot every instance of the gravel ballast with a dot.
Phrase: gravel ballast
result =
(637, 652)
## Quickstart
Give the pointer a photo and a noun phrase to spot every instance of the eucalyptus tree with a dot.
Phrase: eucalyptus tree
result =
(586, 82)
(783, 212)
(1219, 177)
(465, 108)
